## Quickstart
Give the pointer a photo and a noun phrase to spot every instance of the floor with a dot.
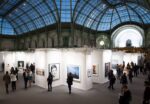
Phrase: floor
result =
(99, 94)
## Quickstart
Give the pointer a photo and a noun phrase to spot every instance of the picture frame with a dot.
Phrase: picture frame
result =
(20, 64)
(75, 70)
(89, 73)
(95, 69)
(54, 68)
(40, 72)
(107, 69)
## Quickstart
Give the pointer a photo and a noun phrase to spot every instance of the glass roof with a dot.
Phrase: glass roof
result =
(103, 16)
(100, 15)
(6, 28)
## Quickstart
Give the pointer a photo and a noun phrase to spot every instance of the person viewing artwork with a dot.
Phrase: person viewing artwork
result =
(49, 81)
(69, 81)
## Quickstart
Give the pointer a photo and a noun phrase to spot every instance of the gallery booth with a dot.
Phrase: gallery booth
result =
(88, 65)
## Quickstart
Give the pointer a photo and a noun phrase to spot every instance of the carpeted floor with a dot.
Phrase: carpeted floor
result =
(99, 94)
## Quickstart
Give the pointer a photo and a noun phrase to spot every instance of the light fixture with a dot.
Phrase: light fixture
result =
(101, 43)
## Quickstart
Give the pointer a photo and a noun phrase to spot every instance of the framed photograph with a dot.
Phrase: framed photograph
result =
(75, 70)
(89, 73)
(107, 68)
(20, 64)
(40, 72)
(95, 69)
(55, 70)
(114, 64)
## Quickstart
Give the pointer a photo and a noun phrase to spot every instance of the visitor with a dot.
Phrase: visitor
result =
(25, 77)
(130, 75)
(49, 81)
(124, 80)
(32, 67)
(69, 81)
(112, 79)
(13, 80)
(16, 71)
(6, 79)
(125, 95)
(29, 77)
(146, 96)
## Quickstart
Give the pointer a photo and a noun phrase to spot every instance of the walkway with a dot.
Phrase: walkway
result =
(99, 94)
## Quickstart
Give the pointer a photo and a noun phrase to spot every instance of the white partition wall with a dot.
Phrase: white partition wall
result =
(77, 59)
(40, 65)
(1, 60)
(100, 58)
(54, 58)
(97, 56)
(87, 65)
(106, 65)
(131, 57)
(9, 60)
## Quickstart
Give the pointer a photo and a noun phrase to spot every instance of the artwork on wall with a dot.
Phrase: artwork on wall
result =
(20, 64)
(75, 70)
(107, 68)
(40, 72)
(89, 73)
(55, 70)
(114, 64)
(95, 69)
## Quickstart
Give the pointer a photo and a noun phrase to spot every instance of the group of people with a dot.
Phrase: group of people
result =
(12, 78)
(69, 81)
(127, 73)
(28, 76)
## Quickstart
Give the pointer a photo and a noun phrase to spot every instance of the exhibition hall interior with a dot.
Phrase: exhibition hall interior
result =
(86, 39)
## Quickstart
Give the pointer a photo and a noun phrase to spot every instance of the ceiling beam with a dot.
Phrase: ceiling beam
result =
(14, 7)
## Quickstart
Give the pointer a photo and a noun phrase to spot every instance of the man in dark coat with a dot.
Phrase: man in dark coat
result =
(126, 96)
(6, 79)
(49, 81)
(112, 79)
(70, 81)
(146, 96)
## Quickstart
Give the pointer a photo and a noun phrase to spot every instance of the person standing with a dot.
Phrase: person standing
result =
(69, 81)
(49, 81)
(125, 96)
(146, 96)
(13, 80)
(6, 79)
(112, 79)
(124, 80)
(16, 71)
(25, 77)
(130, 75)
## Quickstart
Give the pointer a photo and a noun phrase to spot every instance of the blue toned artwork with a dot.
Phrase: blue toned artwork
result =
(74, 70)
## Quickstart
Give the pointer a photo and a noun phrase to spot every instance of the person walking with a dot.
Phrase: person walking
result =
(69, 81)
(6, 79)
(49, 81)
(146, 96)
(124, 80)
(125, 95)
(112, 79)
(130, 76)
(13, 80)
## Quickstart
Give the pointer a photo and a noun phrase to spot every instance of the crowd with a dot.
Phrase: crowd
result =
(29, 78)
(125, 75)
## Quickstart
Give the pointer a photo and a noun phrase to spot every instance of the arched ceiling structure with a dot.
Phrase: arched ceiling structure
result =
(100, 15)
